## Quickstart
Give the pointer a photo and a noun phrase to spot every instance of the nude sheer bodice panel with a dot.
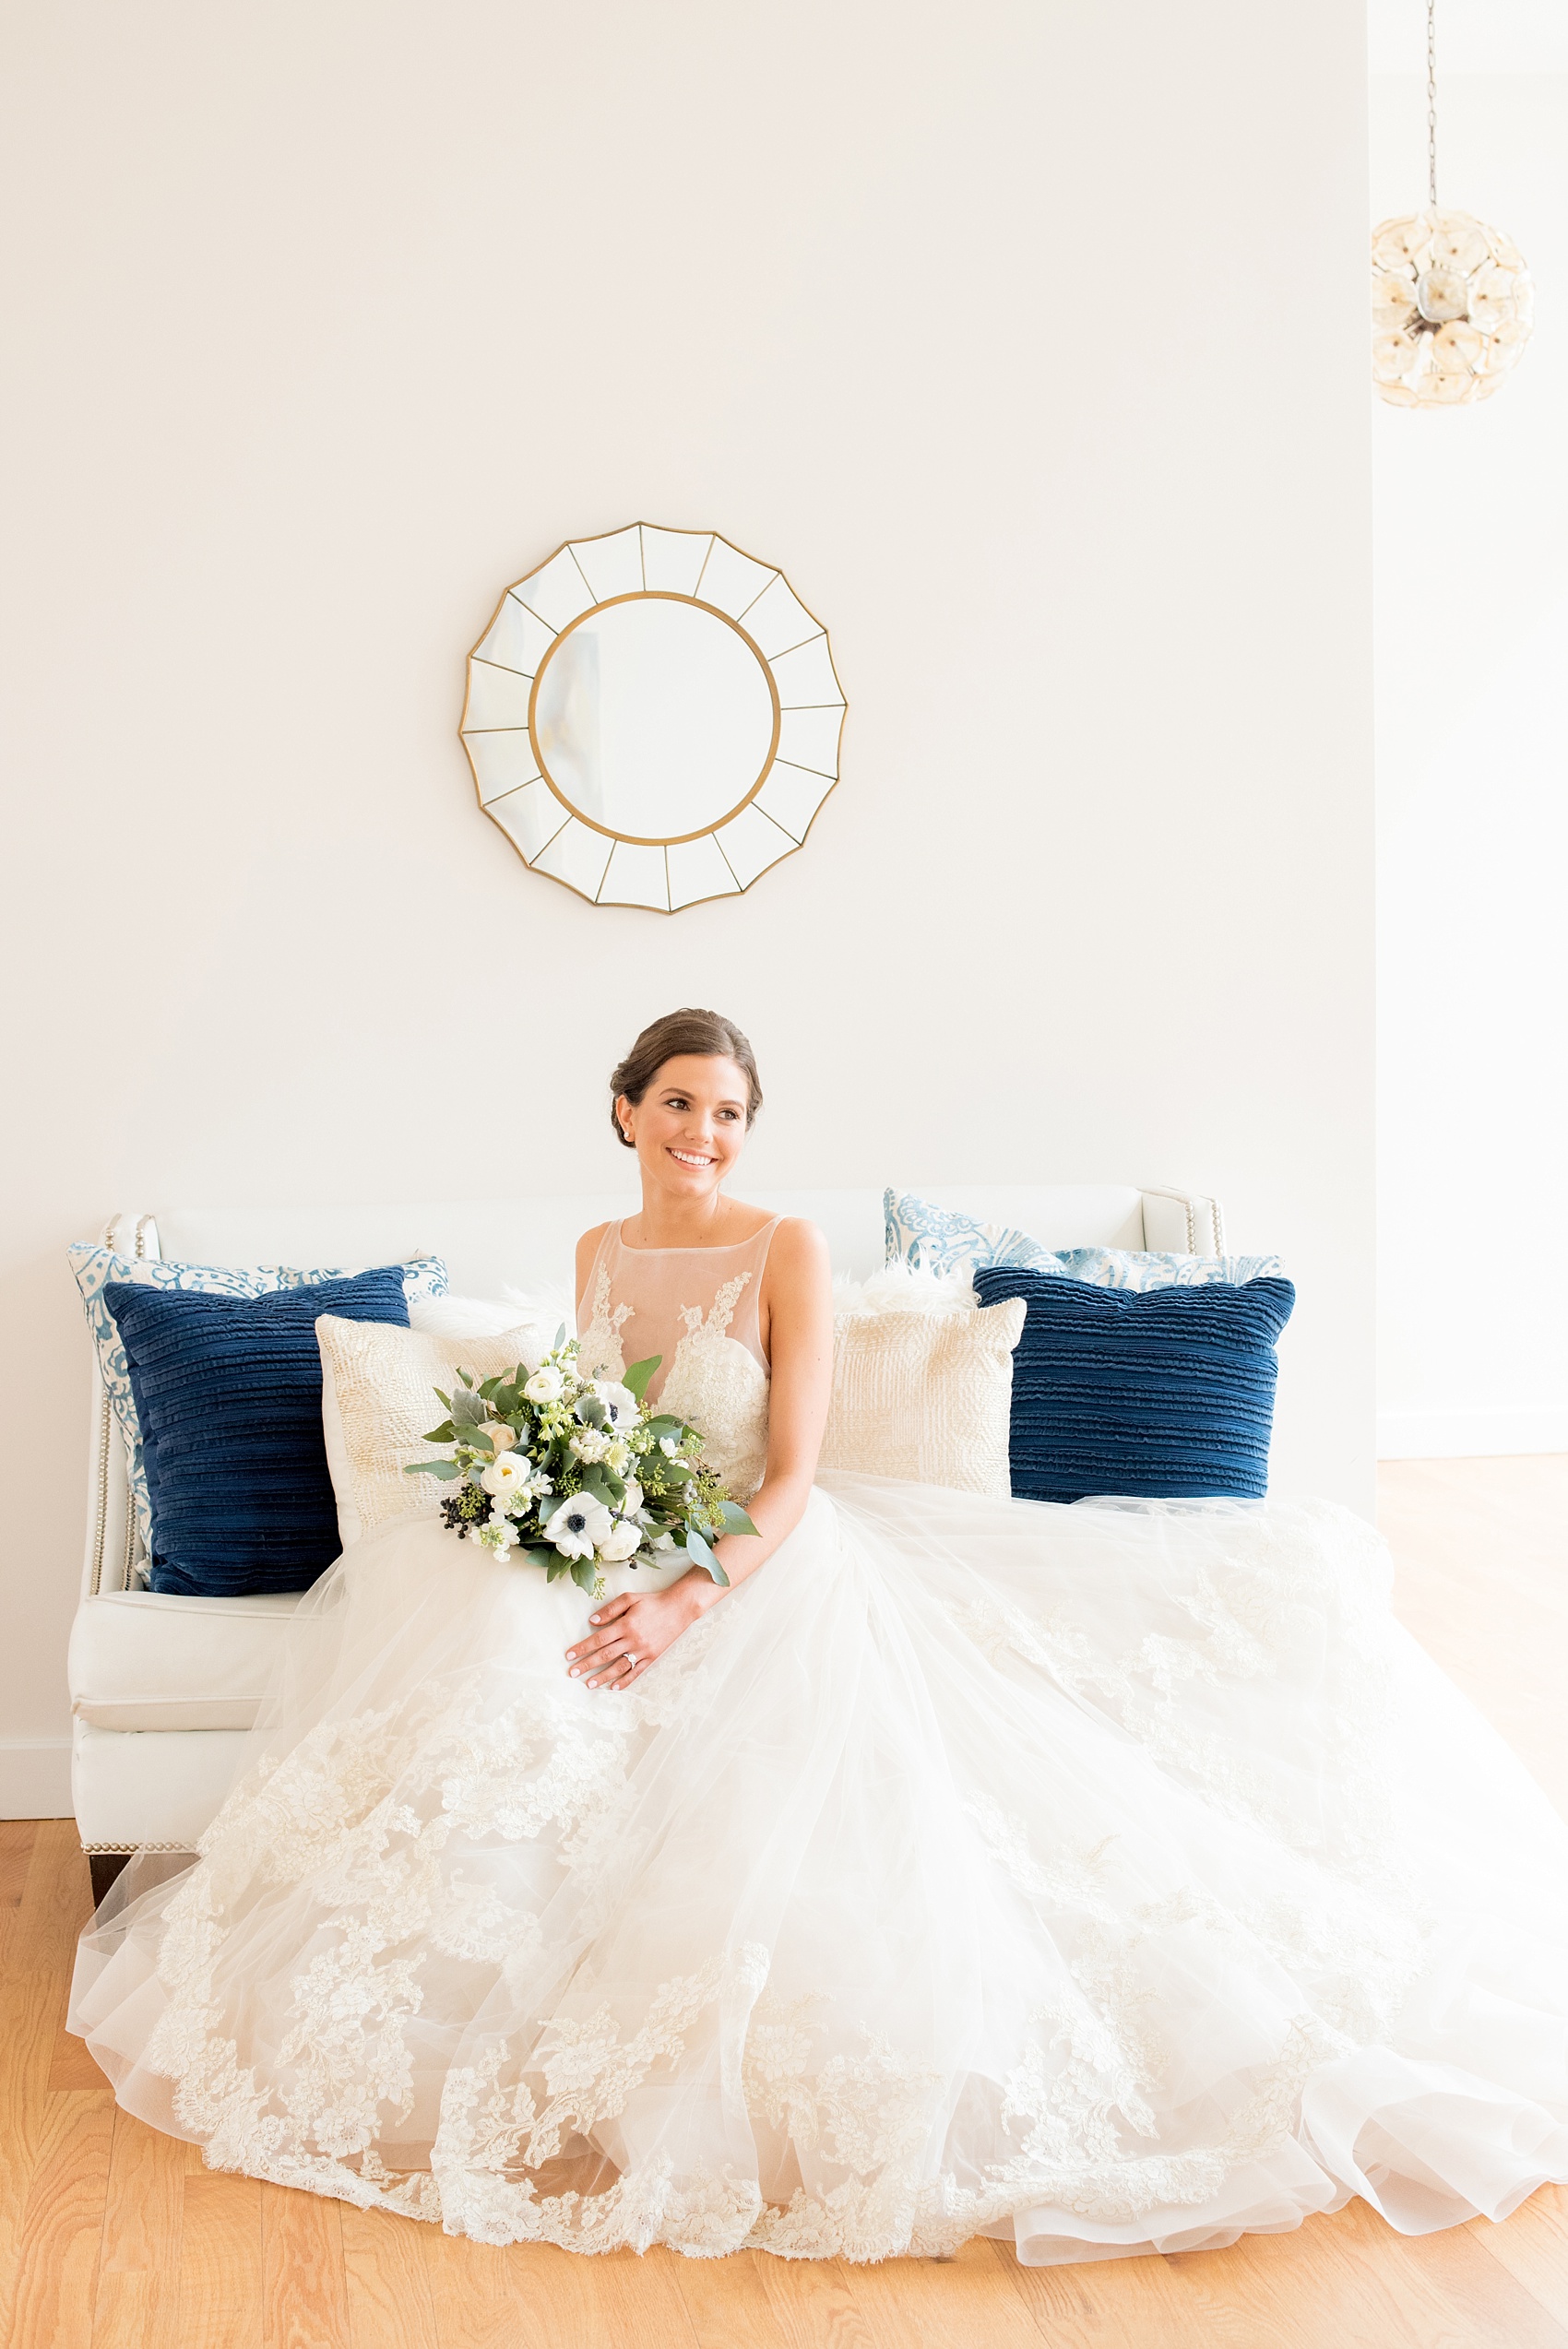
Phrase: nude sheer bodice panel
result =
(696, 1309)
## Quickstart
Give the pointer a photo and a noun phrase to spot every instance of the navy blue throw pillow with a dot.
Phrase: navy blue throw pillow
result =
(228, 1391)
(1162, 1392)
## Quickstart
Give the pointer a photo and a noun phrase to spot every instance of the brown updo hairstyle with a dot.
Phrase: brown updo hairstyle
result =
(704, 1034)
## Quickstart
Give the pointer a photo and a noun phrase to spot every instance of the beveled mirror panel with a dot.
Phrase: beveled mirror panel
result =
(653, 717)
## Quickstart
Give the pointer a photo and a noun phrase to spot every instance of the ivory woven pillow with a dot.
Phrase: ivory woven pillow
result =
(378, 1399)
(922, 1384)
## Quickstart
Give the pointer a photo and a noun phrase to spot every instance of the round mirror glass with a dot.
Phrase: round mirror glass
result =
(654, 718)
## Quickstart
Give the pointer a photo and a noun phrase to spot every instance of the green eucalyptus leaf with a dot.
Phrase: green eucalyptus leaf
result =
(700, 1555)
(444, 1469)
(664, 1423)
(585, 1573)
(635, 1380)
(735, 1518)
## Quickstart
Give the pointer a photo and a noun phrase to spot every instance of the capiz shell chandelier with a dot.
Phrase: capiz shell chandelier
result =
(1451, 299)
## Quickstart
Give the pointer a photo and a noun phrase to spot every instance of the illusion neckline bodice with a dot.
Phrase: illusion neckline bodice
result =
(709, 1248)
(696, 1309)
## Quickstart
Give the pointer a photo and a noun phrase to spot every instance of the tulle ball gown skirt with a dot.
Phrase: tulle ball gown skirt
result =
(1112, 1879)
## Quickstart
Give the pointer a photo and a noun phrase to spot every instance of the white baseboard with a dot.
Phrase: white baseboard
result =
(35, 1778)
(1470, 1435)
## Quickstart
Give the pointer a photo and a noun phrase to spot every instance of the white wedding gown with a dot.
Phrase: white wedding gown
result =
(1109, 1877)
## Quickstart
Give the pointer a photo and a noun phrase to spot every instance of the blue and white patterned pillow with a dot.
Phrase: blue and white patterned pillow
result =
(95, 1266)
(940, 1239)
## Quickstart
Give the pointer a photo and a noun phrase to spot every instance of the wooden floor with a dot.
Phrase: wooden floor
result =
(113, 2237)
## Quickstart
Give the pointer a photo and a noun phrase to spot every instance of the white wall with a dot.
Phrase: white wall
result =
(1029, 337)
(1472, 703)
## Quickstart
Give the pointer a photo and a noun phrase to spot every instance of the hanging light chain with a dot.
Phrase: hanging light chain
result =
(1432, 103)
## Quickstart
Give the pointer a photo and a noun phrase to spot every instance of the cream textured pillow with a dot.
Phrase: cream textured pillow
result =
(377, 1398)
(922, 1386)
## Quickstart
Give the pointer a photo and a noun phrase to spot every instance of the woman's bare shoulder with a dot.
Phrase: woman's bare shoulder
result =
(799, 1250)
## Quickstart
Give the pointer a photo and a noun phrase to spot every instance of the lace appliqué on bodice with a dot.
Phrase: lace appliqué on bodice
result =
(713, 1380)
(598, 1344)
(721, 1388)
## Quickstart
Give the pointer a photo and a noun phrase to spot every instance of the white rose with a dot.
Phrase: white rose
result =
(622, 1542)
(498, 1435)
(620, 1404)
(577, 1524)
(507, 1477)
(547, 1386)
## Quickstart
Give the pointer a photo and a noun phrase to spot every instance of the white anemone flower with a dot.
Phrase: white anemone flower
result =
(577, 1524)
(547, 1386)
(621, 1407)
(507, 1477)
(622, 1542)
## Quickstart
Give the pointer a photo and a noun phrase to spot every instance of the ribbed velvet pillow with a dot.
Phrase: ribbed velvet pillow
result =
(1160, 1392)
(228, 1393)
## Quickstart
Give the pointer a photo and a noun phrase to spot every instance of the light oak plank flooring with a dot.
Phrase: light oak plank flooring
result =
(113, 2237)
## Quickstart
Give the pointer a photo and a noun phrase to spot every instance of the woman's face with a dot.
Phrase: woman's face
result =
(690, 1126)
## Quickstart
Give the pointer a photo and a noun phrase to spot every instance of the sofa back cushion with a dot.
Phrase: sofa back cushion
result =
(378, 1396)
(228, 1401)
(97, 1268)
(921, 1383)
(1165, 1392)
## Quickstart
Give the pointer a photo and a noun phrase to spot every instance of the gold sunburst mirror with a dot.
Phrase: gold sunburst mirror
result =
(652, 717)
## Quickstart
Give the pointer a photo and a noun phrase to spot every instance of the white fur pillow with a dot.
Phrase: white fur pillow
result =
(377, 1398)
(922, 1381)
(493, 1316)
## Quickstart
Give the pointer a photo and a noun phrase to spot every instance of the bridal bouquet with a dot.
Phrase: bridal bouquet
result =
(575, 1474)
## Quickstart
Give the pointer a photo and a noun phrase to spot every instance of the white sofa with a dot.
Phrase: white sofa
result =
(163, 1687)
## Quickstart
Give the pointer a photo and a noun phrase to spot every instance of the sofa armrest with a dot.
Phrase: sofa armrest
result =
(114, 1554)
(1182, 1223)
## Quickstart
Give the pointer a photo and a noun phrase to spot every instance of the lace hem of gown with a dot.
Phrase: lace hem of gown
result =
(1189, 1898)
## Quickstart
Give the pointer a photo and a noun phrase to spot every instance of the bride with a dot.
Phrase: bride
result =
(1114, 1878)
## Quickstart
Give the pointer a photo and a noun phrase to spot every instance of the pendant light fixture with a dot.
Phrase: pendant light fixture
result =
(1451, 300)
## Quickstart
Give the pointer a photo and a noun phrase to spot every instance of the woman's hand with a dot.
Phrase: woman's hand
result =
(628, 1633)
